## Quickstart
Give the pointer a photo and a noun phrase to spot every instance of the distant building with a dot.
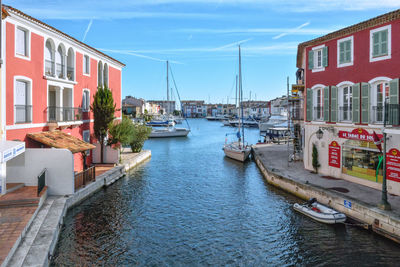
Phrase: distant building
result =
(166, 107)
(194, 108)
(133, 106)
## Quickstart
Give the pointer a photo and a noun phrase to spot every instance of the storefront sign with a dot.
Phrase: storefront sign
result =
(358, 134)
(393, 165)
(334, 154)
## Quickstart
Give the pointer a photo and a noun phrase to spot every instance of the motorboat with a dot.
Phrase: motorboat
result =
(216, 118)
(272, 122)
(169, 132)
(319, 212)
(246, 123)
(237, 151)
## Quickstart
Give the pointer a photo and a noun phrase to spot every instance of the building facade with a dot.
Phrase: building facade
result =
(165, 106)
(194, 108)
(351, 78)
(49, 79)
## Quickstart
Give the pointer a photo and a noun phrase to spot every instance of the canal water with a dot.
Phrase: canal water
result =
(191, 206)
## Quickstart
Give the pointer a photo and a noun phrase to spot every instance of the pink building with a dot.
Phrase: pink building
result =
(351, 78)
(50, 79)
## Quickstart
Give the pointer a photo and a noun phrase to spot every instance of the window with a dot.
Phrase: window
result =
(86, 100)
(345, 52)
(22, 101)
(381, 92)
(86, 65)
(22, 42)
(318, 98)
(318, 58)
(347, 104)
(380, 43)
(86, 138)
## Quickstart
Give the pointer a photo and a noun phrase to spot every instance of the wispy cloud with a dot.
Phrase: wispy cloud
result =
(87, 29)
(132, 53)
(291, 31)
(232, 44)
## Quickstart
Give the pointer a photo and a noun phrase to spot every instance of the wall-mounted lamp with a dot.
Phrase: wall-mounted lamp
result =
(319, 134)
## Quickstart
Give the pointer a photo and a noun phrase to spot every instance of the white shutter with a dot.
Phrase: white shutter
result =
(20, 93)
(87, 100)
(84, 100)
(21, 42)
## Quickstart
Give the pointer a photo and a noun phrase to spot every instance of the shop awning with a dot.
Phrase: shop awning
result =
(10, 149)
(60, 139)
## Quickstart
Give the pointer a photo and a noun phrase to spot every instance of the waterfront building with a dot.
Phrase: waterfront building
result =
(133, 106)
(351, 78)
(48, 81)
(164, 106)
(256, 109)
(279, 106)
(194, 108)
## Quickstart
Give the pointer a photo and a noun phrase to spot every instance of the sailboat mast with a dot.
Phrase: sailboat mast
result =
(167, 88)
(241, 92)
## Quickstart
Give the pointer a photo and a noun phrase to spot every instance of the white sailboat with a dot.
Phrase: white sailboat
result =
(238, 150)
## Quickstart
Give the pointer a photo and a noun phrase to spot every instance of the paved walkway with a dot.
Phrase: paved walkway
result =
(274, 157)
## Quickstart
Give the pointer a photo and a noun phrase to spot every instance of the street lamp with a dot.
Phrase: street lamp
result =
(319, 134)
(384, 205)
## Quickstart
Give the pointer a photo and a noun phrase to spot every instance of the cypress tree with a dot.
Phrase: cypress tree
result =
(315, 161)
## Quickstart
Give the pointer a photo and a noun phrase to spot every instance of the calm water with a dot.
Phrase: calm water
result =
(191, 206)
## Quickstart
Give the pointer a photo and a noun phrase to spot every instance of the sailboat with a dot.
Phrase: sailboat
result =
(169, 131)
(238, 150)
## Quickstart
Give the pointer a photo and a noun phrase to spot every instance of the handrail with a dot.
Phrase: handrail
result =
(41, 181)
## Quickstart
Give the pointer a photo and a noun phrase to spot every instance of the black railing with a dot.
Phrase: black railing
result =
(345, 113)
(70, 73)
(60, 114)
(84, 177)
(23, 113)
(41, 181)
(60, 70)
(392, 114)
(377, 114)
(318, 113)
(49, 67)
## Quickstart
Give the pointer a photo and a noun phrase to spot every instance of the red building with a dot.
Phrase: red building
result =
(351, 78)
(50, 79)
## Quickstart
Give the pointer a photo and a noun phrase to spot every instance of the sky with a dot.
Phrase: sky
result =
(200, 39)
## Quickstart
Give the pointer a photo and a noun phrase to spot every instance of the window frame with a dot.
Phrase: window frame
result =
(29, 83)
(350, 101)
(316, 49)
(27, 43)
(345, 64)
(84, 65)
(389, 42)
(84, 132)
(320, 102)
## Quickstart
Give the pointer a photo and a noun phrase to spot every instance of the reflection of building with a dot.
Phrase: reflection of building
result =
(351, 78)
(194, 108)
(165, 106)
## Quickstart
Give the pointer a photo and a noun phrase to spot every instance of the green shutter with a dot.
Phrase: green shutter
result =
(376, 42)
(309, 105)
(348, 51)
(393, 112)
(334, 94)
(384, 42)
(356, 103)
(326, 104)
(310, 60)
(325, 56)
(365, 103)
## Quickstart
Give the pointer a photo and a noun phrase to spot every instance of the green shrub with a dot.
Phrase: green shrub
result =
(140, 134)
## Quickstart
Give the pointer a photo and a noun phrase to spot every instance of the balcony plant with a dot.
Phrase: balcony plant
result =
(103, 108)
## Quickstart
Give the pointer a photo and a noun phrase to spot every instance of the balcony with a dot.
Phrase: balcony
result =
(392, 114)
(64, 114)
(49, 68)
(60, 70)
(70, 73)
(377, 114)
(318, 113)
(23, 114)
(345, 114)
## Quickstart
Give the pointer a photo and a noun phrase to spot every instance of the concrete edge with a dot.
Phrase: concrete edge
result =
(141, 157)
(379, 221)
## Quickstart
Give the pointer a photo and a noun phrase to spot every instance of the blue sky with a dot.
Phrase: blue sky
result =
(199, 38)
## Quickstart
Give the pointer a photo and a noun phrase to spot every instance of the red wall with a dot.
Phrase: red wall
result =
(362, 70)
(34, 70)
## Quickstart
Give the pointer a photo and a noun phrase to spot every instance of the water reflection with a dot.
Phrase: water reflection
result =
(190, 205)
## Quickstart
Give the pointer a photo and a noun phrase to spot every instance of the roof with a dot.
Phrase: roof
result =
(60, 139)
(19, 12)
(382, 19)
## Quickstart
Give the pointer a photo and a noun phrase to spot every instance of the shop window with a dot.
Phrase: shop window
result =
(360, 159)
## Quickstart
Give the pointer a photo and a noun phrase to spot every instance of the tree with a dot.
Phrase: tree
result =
(140, 134)
(315, 161)
(103, 108)
(121, 133)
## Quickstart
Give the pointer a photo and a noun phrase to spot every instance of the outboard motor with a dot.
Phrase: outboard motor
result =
(311, 201)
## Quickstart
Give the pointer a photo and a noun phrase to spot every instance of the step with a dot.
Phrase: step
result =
(13, 186)
(19, 203)
(42, 237)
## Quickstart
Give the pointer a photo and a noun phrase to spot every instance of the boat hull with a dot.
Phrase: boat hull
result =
(328, 216)
(236, 154)
(167, 133)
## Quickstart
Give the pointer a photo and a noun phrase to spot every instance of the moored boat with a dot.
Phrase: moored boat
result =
(237, 151)
(169, 132)
(319, 212)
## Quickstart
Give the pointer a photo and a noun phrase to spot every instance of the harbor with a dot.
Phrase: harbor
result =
(190, 205)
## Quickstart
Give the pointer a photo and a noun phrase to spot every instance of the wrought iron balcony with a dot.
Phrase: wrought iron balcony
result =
(318, 113)
(345, 113)
(60, 70)
(64, 114)
(392, 114)
(23, 113)
(377, 114)
(49, 68)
